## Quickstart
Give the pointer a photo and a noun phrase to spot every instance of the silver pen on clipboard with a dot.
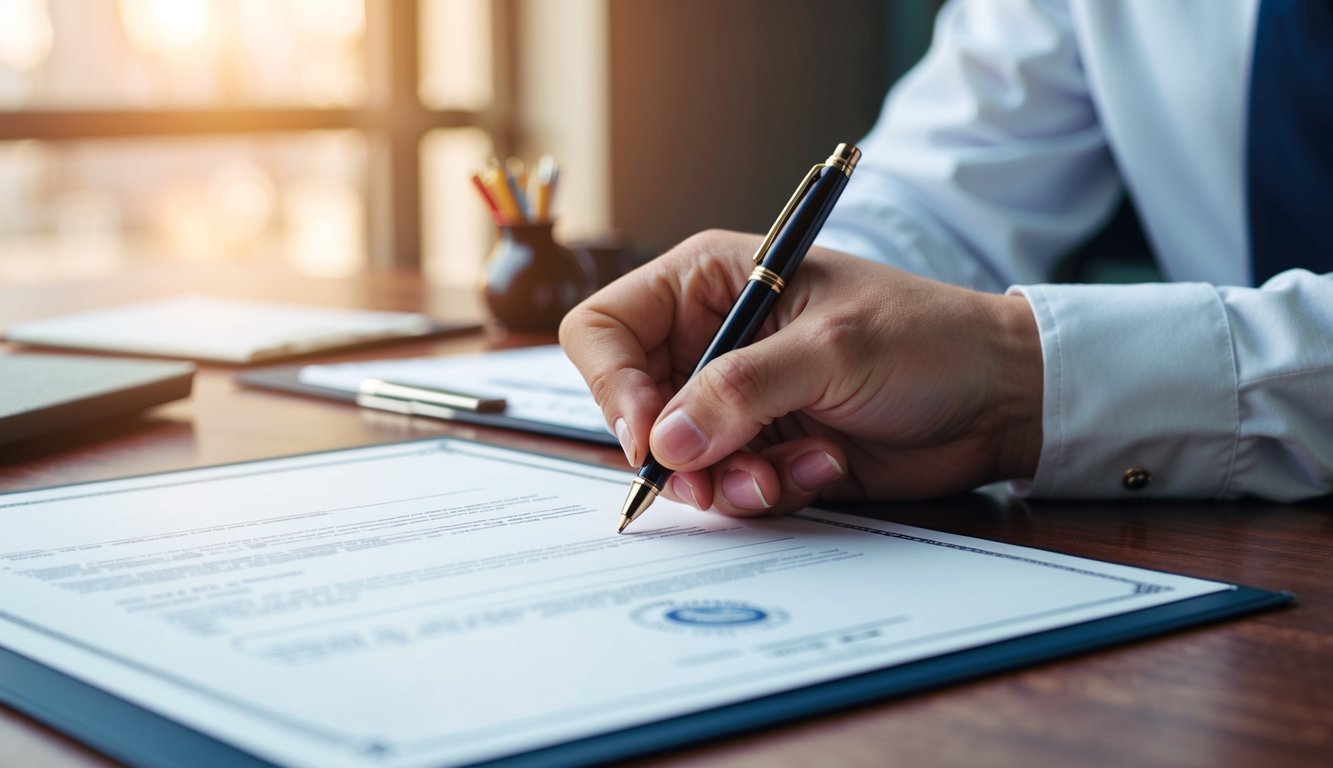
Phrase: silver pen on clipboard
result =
(416, 400)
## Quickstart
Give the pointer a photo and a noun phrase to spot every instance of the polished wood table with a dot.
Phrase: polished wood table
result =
(1250, 691)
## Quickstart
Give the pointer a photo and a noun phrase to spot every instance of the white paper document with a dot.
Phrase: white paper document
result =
(538, 384)
(443, 602)
(214, 328)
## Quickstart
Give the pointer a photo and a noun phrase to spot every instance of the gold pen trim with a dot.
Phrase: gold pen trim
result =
(768, 277)
(773, 231)
(654, 487)
(641, 494)
(844, 159)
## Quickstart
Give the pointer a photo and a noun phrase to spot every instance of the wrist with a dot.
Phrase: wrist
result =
(1018, 391)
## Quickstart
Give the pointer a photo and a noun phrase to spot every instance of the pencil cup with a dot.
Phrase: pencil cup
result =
(531, 280)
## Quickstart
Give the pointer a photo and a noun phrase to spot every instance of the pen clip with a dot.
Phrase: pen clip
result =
(800, 192)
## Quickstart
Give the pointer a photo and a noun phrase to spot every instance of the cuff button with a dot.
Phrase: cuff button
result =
(1135, 478)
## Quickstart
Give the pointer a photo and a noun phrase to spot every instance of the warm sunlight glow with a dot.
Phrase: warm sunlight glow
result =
(456, 54)
(456, 230)
(325, 234)
(25, 33)
(166, 26)
(345, 19)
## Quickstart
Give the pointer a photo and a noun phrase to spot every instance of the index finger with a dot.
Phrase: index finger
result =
(638, 338)
(608, 337)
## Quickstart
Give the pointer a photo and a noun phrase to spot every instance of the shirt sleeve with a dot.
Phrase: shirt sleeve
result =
(987, 164)
(1194, 390)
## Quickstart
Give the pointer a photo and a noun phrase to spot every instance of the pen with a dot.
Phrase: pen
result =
(486, 195)
(512, 172)
(776, 260)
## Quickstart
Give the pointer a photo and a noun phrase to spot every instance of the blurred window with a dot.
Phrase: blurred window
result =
(332, 134)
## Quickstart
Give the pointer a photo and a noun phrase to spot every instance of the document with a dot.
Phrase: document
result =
(443, 602)
(538, 384)
(201, 327)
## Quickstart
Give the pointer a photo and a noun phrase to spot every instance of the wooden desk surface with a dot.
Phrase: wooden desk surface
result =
(1252, 691)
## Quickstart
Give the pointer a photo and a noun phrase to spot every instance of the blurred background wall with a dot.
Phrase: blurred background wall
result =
(719, 108)
(338, 135)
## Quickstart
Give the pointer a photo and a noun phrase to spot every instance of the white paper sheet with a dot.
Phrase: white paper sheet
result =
(215, 328)
(442, 602)
(537, 383)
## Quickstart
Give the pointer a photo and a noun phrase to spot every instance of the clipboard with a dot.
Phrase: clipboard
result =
(287, 378)
(137, 736)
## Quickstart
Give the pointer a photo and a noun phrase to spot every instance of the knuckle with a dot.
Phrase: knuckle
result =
(570, 325)
(840, 336)
(706, 242)
(732, 380)
(704, 238)
(603, 386)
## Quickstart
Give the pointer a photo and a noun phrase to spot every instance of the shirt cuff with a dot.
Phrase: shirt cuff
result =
(1140, 393)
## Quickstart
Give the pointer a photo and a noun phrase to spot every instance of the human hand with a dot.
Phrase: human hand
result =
(865, 382)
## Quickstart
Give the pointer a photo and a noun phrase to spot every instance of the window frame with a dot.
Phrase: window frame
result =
(394, 120)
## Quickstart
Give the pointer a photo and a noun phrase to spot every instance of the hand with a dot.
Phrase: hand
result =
(865, 382)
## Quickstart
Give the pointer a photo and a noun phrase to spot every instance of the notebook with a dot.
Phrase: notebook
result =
(200, 327)
(48, 393)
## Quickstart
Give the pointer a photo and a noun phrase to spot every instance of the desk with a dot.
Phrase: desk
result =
(1253, 691)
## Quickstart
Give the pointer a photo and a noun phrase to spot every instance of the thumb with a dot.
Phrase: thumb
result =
(722, 408)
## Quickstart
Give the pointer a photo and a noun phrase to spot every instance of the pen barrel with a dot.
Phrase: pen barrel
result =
(742, 323)
(765, 285)
(654, 473)
(789, 247)
(800, 230)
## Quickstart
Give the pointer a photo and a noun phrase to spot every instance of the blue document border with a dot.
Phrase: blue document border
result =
(140, 737)
(136, 736)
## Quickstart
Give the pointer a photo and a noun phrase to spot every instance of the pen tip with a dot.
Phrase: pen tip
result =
(641, 494)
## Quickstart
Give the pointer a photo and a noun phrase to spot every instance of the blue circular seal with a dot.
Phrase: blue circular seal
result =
(716, 615)
(707, 617)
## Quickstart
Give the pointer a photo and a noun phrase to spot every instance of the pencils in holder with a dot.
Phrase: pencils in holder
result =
(514, 196)
(547, 174)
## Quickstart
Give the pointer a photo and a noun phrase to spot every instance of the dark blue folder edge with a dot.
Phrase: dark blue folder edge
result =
(286, 378)
(139, 737)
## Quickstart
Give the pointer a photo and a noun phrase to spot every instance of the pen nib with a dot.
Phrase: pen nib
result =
(641, 494)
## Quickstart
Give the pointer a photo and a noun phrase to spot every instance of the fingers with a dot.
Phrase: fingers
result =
(782, 479)
(629, 338)
(722, 408)
(805, 468)
(608, 337)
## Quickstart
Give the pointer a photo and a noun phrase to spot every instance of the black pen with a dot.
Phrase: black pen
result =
(775, 262)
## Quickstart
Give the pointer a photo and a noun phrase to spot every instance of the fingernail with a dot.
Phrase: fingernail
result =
(742, 489)
(683, 490)
(677, 439)
(815, 470)
(626, 439)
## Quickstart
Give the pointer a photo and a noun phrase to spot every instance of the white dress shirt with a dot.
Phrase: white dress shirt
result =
(1013, 141)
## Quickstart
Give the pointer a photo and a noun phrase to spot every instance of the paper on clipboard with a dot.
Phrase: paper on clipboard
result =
(538, 384)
